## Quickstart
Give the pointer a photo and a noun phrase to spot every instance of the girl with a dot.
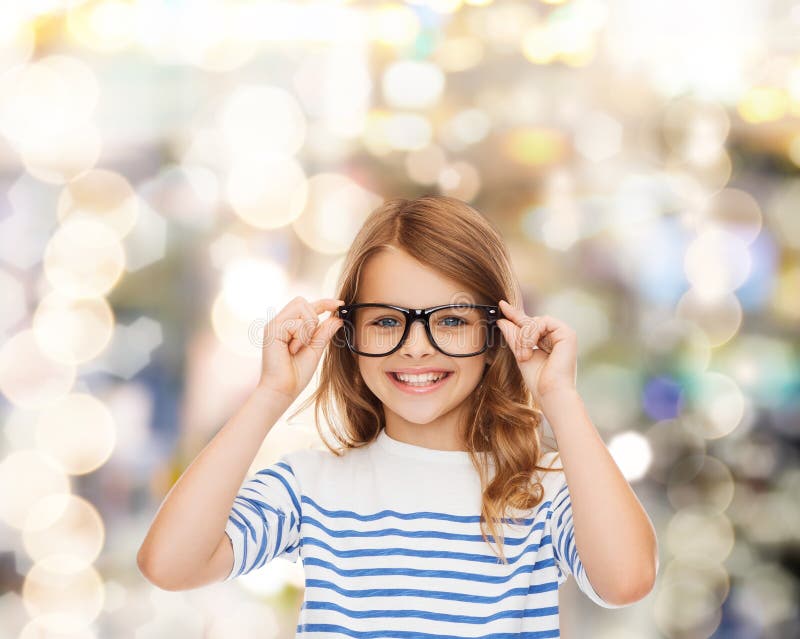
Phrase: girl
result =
(435, 387)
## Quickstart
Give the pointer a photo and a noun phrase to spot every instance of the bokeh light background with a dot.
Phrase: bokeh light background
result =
(174, 172)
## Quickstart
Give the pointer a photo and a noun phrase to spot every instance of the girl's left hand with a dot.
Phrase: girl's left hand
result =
(553, 365)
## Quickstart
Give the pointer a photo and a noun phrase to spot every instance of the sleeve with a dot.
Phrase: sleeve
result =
(264, 522)
(565, 550)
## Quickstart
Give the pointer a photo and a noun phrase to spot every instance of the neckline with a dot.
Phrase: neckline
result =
(404, 449)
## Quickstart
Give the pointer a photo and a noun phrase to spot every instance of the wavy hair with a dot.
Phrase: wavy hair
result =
(503, 423)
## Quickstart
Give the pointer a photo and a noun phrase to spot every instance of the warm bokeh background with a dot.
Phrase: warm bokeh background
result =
(174, 172)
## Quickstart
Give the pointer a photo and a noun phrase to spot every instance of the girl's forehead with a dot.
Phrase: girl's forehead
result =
(397, 278)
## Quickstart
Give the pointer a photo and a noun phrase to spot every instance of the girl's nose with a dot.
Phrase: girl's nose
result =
(417, 341)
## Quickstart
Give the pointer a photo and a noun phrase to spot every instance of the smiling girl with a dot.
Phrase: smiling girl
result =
(440, 513)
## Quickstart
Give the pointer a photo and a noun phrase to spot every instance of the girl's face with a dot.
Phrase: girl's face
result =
(394, 277)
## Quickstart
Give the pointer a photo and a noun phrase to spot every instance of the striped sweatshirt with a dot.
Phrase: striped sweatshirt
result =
(389, 536)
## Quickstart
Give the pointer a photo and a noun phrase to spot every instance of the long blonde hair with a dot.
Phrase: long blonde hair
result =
(457, 241)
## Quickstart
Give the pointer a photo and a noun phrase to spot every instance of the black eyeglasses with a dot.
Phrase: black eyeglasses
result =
(457, 330)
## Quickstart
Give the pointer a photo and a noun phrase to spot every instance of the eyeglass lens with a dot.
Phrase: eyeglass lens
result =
(460, 330)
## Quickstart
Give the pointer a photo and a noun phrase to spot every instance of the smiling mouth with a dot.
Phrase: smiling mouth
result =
(424, 383)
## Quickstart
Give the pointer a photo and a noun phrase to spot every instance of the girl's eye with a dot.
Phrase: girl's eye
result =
(458, 319)
(386, 319)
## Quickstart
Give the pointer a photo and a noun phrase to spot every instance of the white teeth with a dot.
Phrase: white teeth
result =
(420, 379)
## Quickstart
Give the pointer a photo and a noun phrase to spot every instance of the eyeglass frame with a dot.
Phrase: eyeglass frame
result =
(412, 315)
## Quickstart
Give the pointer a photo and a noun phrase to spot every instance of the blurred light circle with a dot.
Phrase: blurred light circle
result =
(38, 629)
(460, 180)
(27, 476)
(540, 44)
(189, 194)
(250, 284)
(28, 377)
(768, 518)
(103, 26)
(684, 607)
(84, 258)
(671, 441)
(63, 593)
(374, 136)
(64, 524)
(332, 278)
(794, 150)
(73, 331)
(695, 129)
(103, 196)
(245, 619)
(78, 432)
(17, 41)
(707, 485)
(241, 334)
(393, 24)
(598, 136)
(716, 263)
(785, 301)
(632, 454)
(752, 458)
(719, 317)
(676, 347)
(44, 100)
(585, 312)
(58, 159)
(258, 119)
(612, 390)
(459, 53)
(693, 534)
(662, 397)
(712, 176)
(336, 210)
(14, 307)
(267, 191)
(466, 127)
(766, 367)
(768, 596)
(407, 131)
(711, 574)
(714, 405)
(412, 84)
(425, 165)
(733, 210)
(536, 146)
(782, 212)
(763, 104)
(217, 37)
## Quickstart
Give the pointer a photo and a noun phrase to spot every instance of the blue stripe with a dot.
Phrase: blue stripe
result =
(436, 574)
(415, 634)
(323, 584)
(436, 554)
(282, 479)
(464, 519)
(433, 616)
(417, 534)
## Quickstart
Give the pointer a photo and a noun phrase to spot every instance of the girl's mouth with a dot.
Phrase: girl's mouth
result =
(415, 388)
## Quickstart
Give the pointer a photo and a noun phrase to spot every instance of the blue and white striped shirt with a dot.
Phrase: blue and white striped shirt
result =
(389, 536)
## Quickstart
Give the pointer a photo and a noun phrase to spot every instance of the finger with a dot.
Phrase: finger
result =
(534, 329)
(511, 333)
(309, 326)
(511, 312)
(527, 333)
(305, 329)
(325, 331)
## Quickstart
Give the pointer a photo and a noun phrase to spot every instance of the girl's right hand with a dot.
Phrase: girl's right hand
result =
(294, 341)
